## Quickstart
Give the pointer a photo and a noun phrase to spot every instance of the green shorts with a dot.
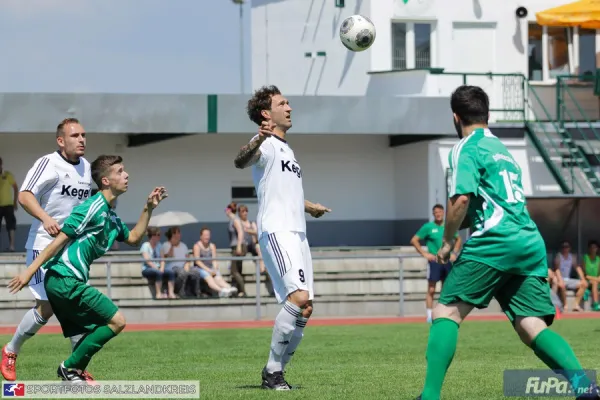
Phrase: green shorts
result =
(519, 296)
(79, 308)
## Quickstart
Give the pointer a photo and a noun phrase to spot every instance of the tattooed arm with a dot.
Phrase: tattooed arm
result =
(249, 154)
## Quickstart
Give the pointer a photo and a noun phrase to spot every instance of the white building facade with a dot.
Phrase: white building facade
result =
(295, 42)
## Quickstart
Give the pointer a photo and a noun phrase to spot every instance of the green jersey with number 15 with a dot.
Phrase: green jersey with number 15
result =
(503, 234)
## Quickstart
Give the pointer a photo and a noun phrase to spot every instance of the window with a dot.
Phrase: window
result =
(398, 45)
(243, 193)
(411, 45)
(422, 45)
(587, 52)
(535, 52)
(558, 51)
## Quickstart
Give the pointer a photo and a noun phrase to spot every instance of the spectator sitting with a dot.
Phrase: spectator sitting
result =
(251, 243)
(553, 282)
(208, 268)
(564, 264)
(153, 270)
(236, 242)
(591, 266)
(175, 248)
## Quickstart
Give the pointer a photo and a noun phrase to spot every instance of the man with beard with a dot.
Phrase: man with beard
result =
(505, 258)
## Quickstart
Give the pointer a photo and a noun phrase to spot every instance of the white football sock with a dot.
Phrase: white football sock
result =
(74, 340)
(429, 314)
(285, 323)
(294, 341)
(31, 323)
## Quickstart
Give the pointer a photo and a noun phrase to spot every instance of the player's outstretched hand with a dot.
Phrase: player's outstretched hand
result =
(19, 282)
(319, 210)
(157, 195)
(265, 130)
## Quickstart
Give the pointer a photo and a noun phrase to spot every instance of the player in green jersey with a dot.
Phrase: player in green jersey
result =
(591, 266)
(87, 234)
(505, 257)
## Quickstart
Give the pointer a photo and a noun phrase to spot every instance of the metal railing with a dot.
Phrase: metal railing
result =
(108, 262)
(507, 96)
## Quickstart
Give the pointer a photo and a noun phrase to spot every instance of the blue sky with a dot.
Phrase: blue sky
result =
(122, 46)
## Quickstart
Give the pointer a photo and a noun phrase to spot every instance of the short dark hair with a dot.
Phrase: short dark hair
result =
(60, 129)
(260, 101)
(171, 231)
(438, 206)
(204, 228)
(592, 242)
(471, 104)
(101, 167)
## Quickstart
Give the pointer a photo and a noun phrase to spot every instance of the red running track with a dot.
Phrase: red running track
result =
(53, 329)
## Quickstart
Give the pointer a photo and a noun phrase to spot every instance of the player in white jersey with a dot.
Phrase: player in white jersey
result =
(281, 226)
(54, 185)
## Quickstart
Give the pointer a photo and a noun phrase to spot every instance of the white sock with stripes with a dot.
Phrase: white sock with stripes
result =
(294, 341)
(31, 323)
(285, 323)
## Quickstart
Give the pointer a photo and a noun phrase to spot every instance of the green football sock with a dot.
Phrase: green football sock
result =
(441, 347)
(556, 353)
(90, 345)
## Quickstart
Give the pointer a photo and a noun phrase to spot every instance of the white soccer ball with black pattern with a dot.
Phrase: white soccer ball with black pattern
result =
(357, 33)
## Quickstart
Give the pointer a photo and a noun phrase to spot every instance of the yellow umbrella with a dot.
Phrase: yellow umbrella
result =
(583, 13)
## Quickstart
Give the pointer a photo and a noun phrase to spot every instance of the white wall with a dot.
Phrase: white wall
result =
(352, 174)
(282, 31)
(440, 150)
(285, 29)
(411, 171)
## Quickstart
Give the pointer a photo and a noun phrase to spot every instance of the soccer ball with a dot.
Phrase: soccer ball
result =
(357, 33)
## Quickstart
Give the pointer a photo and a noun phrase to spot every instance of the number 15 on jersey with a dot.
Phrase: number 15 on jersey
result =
(514, 192)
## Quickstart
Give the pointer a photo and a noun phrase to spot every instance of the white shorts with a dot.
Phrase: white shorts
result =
(36, 284)
(289, 263)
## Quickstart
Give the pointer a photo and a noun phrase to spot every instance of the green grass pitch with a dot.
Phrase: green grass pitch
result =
(333, 362)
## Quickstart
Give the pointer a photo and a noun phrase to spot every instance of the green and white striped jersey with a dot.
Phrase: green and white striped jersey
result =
(503, 234)
(93, 227)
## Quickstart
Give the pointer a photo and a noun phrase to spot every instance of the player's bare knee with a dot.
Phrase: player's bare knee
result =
(300, 298)
(117, 323)
(431, 288)
(457, 312)
(44, 309)
(528, 328)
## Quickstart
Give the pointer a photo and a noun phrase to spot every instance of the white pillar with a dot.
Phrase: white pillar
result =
(433, 46)
(410, 45)
(571, 59)
(545, 60)
(597, 48)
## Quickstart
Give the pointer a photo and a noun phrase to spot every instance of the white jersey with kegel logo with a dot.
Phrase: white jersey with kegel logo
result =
(58, 185)
(278, 183)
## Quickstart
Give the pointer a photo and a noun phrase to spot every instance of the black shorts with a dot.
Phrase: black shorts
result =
(252, 249)
(8, 213)
(438, 272)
